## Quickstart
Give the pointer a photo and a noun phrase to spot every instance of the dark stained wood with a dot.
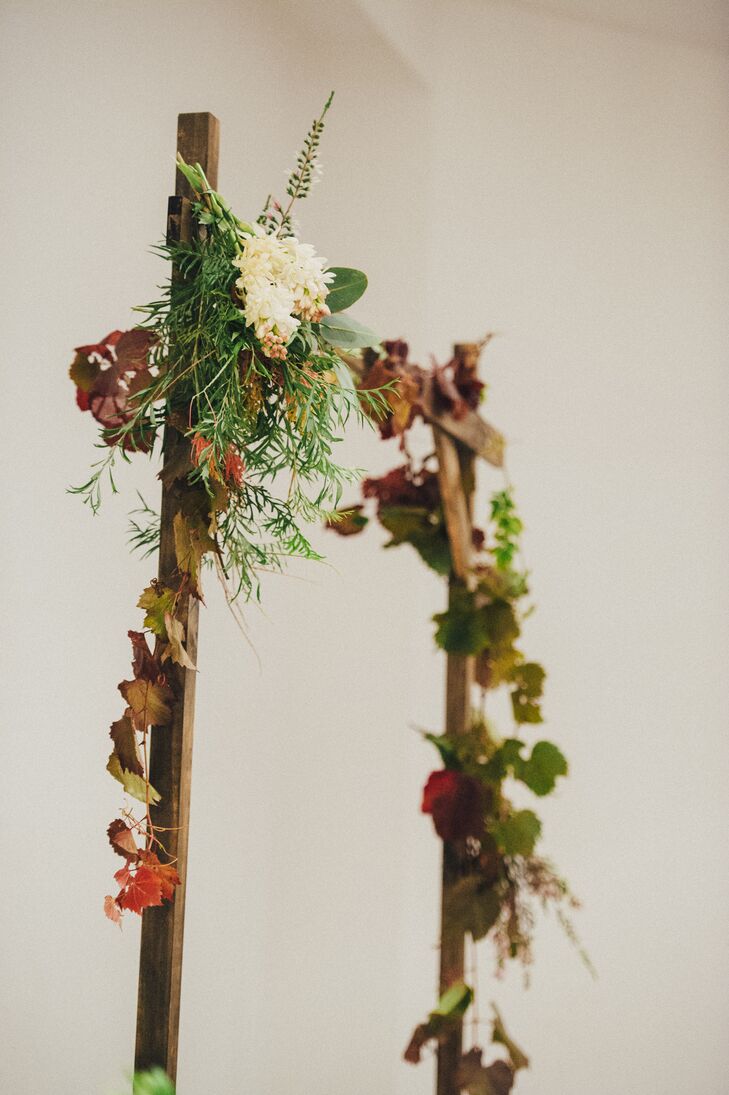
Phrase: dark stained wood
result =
(160, 970)
(198, 141)
(456, 476)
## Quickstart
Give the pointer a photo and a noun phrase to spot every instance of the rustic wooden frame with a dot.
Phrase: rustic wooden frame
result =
(170, 772)
(457, 444)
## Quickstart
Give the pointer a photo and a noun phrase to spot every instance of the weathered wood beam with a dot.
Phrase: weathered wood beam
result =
(456, 478)
(160, 969)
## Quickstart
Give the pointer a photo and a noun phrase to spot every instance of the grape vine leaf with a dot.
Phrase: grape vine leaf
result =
(111, 909)
(176, 636)
(125, 745)
(479, 1079)
(416, 525)
(463, 629)
(192, 541)
(145, 665)
(165, 872)
(518, 833)
(133, 784)
(529, 680)
(346, 288)
(149, 703)
(142, 890)
(542, 769)
(157, 601)
(122, 840)
(453, 1003)
(456, 803)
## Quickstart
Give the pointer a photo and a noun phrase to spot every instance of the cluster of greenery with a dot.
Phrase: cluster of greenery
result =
(502, 877)
(205, 373)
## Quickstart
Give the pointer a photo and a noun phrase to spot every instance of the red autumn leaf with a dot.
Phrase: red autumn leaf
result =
(142, 890)
(122, 841)
(111, 909)
(82, 399)
(144, 664)
(132, 349)
(400, 487)
(123, 875)
(166, 873)
(456, 803)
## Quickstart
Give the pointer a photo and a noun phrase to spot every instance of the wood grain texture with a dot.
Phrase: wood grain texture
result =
(160, 970)
(456, 477)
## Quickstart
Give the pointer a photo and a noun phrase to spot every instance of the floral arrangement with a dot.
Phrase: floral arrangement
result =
(501, 876)
(240, 363)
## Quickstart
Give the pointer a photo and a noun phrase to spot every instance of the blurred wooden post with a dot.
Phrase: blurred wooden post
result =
(456, 477)
(160, 970)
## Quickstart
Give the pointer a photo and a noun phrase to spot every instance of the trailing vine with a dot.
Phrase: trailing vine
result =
(239, 361)
(502, 876)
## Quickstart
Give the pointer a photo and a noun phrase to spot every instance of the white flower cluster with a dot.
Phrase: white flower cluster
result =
(281, 283)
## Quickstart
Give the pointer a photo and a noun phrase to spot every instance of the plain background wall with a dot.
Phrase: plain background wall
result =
(491, 166)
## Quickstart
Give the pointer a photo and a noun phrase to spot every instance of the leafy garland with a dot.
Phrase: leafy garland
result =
(502, 877)
(239, 361)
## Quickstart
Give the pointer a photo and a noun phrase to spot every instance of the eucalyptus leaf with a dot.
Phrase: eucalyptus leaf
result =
(345, 333)
(346, 288)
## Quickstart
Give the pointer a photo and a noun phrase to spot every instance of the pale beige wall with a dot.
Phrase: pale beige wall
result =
(490, 167)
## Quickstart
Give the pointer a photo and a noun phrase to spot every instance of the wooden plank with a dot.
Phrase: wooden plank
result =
(455, 503)
(471, 430)
(456, 477)
(160, 970)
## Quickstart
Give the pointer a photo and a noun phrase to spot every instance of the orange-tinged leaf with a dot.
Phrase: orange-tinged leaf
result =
(166, 873)
(149, 703)
(143, 890)
(111, 909)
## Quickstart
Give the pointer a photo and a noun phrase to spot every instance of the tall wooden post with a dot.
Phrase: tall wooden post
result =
(456, 475)
(160, 971)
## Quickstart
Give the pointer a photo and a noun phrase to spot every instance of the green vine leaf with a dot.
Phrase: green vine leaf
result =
(133, 784)
(518, 833)
(346, 288)
(345, 333)
(157, 601)
(417, 526)
(541, 771)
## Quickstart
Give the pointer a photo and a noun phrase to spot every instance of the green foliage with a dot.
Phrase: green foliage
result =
(472, 625)
(155, 1082)
(517, 834)
(425, 531)
(345, 333)
(346, 288)
(275, 424)
(508, 528)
